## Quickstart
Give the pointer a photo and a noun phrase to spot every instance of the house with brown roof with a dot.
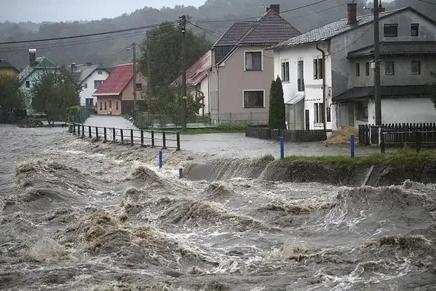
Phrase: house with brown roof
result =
(116, 95)
(243, 69)
(197, 81)
(330, 71)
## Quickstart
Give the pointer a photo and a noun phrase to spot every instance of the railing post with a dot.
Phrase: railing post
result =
(382, 143)
(105, 134)
(142, 137)
(131, 136)
(418, 141)
(178, 141)
(83, 130)
(78, 130)
(114, 135)
(282, 147)
(122, 136)
(164, 140)
(74, 128)
(89, 132)
(160, 159)
(96, 132)
(152, 139)
(352, 146)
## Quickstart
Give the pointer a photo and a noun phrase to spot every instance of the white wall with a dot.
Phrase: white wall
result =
(89, 90)
(313, 87)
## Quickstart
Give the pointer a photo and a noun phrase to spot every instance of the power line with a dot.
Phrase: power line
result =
(205, 29)
(82, 35)
(427, 2)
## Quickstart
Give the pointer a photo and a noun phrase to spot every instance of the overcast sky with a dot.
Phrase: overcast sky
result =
(70, 10)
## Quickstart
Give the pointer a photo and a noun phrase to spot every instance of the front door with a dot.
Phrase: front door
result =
(307, 117)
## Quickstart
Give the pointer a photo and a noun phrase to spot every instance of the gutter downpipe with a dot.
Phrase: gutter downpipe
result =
(323, 87)
(218, 91)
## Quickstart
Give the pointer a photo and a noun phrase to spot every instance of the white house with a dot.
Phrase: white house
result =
(408, 53)
(89, 77)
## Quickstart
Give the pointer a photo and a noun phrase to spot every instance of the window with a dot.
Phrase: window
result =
(416, 67)
(285, 71)
(116, 105)
(253, 61)
(254, 99)
(97, 83)
(389, 68)
(300, 73)
(357, 69)
(101, 105)
(99, 72)
(318, 113)
(329, 114)
(138, 87)
(27, 84)
(362, 111)
(391, 30)
(317, 69)
(110, 103)
(105, 107)
(85, 85)
(89, 102)
(367, 68)
(414, 29)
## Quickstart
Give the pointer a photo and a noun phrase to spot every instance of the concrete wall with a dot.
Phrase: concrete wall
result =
(229, 80)
(406, 110)
(89, 90)
(313, 87)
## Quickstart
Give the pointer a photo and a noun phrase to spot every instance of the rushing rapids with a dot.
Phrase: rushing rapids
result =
(77, 215)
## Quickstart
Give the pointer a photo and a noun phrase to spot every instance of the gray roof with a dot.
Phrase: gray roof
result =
(411, 91)
(270, 29)
(41, 64)
(409, 48)
(333, 29)
(82, 72)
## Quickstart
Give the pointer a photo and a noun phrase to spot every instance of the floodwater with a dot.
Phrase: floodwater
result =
(76, 215)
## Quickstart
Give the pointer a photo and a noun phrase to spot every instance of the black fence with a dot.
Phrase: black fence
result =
(399, 133)
(262, 132)
(162, 139)
(416, 139)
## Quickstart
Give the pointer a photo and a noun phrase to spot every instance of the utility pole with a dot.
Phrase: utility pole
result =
(377, 82)
(182, 27)
(135, 107)
(148, 64)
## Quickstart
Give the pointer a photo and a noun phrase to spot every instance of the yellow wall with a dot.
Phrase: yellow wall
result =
(8, 72)
(108, 105)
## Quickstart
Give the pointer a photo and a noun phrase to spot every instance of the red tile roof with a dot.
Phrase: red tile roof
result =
(117, 81)
(197, 72)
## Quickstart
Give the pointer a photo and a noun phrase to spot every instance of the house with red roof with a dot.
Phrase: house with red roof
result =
(197, 81)
(116, 95)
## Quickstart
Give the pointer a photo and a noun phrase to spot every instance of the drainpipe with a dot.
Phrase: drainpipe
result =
(323, 86)
(218, 91)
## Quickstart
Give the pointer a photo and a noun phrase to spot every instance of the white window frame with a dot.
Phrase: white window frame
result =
(289, 70)
(253, 90)
(261, 60)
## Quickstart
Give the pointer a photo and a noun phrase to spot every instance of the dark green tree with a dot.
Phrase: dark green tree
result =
(53, 94)
(277, 118)
(11, 98)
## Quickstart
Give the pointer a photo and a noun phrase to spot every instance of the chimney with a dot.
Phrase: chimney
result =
(32, 57)
(352, 13)
(274, 7)
(73, 67)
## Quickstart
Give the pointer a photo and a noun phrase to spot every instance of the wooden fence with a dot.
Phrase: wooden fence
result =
(162, 139)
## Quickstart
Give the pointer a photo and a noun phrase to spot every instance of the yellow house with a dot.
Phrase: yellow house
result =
(7, 69)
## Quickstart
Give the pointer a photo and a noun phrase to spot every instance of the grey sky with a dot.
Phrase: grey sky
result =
(70, 10)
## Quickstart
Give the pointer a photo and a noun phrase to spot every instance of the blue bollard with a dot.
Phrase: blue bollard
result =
(352, 146)
(282, 147)
(160, 159)
(181, 173)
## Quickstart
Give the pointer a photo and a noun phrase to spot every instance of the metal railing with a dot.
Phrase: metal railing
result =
(144, 138)
(417, 139)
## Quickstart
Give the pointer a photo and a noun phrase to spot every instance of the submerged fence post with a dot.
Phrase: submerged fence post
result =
(142, 137)
(89, 132)
(131, 137)
(160, 159)
(164, 140)
(96, 133)
(152, 139)
(352, 146)
(114, 135)
(181, 173)
(282, 147)
(178, 141)
(105, 134)
(83, 130)
(122, 136)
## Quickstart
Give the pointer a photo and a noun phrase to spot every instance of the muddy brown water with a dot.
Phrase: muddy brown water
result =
(76, 215)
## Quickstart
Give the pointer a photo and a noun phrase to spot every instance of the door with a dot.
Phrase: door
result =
(307, 117)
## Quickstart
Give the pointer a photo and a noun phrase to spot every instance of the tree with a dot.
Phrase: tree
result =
(11, 98)
(277, 118)
(53, 94)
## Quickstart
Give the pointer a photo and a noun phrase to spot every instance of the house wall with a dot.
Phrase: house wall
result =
(8, 72)
(127, 94)
(33, 78)
(88, 90)
(229, 80)
(313, 87)
(108, 105)
(204, 87)
(344, 76)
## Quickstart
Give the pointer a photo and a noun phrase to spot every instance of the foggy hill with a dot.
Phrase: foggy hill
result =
(110, 50)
